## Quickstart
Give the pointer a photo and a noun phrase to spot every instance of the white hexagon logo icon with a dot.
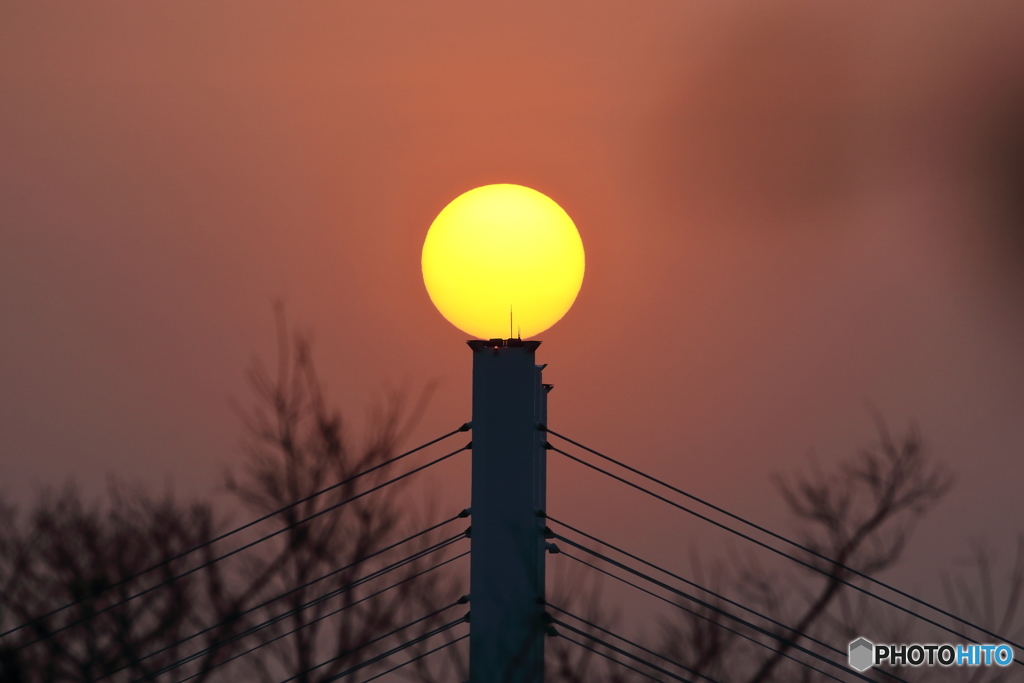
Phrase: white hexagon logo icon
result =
(862, 654)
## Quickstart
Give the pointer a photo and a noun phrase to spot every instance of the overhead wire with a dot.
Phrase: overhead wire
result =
(786, 641)
(163, 563)
(699, 587)
(416, 658)
(284, 615)
(784, 539)
(396, 650)
(706, 618)
(325, 616)
(385, 655)
(608, 657)
(775, 550)
(311, 582)
(240, 549)
(633, 644)
(622, 652)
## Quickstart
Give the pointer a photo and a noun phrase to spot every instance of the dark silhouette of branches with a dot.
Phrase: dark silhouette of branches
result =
(981, 595)
(324, 592)
(696, 637)
(297, 446)
(978, 597)
(308, 602)
(860, 517)
(67, 551)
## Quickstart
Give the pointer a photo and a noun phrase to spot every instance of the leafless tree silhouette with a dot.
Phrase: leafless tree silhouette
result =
(297, 447)
(303, 604)
(313, 602)
(860, 515)
(861, 518)
(69, 552)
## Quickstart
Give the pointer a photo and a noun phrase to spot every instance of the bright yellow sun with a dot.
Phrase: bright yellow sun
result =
(500, 250)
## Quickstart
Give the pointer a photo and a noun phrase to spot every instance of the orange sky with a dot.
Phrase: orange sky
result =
(791, 210)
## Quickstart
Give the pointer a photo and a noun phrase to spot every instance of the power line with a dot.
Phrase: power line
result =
(708, 605)
(410, 661)
(706, 618)
(630, 642)
(608, 657)
(325, 616)
(396, 650)
(284, 615)
(785, 540)
(625, 653)
(270, 622)
(837, 578)
(464, 428)
(702, 588)
(244, 547)
(385, 655)
(378, 639)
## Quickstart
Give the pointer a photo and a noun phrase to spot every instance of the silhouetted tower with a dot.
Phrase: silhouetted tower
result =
(506, 641)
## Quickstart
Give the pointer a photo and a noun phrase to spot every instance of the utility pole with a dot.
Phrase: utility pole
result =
(509, 483)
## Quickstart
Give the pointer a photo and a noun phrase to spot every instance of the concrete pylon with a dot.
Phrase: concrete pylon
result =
(506, 640)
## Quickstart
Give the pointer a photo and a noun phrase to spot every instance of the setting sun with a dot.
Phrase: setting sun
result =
(503, 260)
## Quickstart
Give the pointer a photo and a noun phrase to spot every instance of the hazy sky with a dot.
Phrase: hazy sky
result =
(791, 211)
